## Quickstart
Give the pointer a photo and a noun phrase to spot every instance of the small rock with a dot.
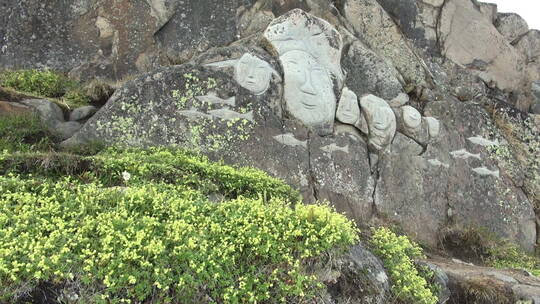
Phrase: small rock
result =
(65, 130)
(82, 113)
(399, 101)
(440, 278)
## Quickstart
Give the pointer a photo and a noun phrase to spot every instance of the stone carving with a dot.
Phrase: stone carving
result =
(464, 154)
(477, 140)
(227, 114)
(309, 94)
(433, 126)
(483, 171)
(253, 74)
(215, 100)
(348, 111)
(412, 119)
(438, 163)
(381, 121)
(288, 139)
(334, 147)
(310, 52)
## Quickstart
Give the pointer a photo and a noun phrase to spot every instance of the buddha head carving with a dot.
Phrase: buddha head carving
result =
(308, 89)
(412, 119)
(381, 121)
(253, 74)
(309, 49)
(348, 111)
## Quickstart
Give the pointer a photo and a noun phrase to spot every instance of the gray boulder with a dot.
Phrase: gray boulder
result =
(358, 277)
(511, 26)
(384, 37)
(82, 113)
(470, 39)
(65, 130)
(367, 73)
(49, 112)
(237, 104)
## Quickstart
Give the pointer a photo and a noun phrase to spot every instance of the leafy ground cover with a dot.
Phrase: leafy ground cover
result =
(47, 84)
(152, 226)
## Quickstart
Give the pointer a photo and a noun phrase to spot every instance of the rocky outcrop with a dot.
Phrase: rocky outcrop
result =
(475, 284)
(112, 39)
(283, 104)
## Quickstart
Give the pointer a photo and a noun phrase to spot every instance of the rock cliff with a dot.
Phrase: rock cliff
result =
(423, 113)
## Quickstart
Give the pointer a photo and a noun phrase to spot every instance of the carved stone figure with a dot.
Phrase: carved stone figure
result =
(433, 126)
(310, 52)
(381, 121)
(253, 73)
(348, 111)
(308, 89)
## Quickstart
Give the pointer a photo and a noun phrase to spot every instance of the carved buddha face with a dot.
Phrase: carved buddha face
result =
(348, 109)
(309, 93)
(253, 74)
(412, 119)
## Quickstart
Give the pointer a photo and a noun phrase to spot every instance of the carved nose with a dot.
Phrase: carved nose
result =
(307, 87)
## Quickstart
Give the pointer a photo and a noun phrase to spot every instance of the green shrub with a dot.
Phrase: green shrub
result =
(177, 167)
(23, 132)
(397, 254)
(480, 246)
(75, 98)
(41, 82)
(46, 83)
(158, 242)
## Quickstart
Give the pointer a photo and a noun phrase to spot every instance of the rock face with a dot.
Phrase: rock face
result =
(471, 40)
(281, 102)
(468, 282)
(112, 39)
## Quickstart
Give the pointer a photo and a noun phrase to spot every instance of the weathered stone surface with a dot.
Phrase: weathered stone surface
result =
(464, 279)
(213, 105)
(64, 130)
(467, 38)
(82, 113)
(511, 26)
(112, 38)
(359, 277)
(384, 37)
(529, 45)
(417, 188)
(367, 73)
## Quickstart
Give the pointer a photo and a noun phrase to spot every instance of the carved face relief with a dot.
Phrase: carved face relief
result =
(348, 111)
(381, 121)
(309, 93)
(412, 119)
(253, 74)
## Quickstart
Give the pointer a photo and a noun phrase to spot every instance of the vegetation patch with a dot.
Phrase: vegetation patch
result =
(137, 226)
(46, 83)
(480, 247)
(23, 132)
(409, 285)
